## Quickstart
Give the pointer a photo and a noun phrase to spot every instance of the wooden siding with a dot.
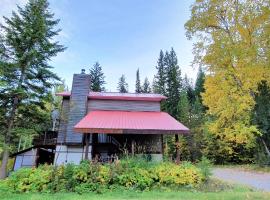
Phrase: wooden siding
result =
(123, 105)
(77, 106)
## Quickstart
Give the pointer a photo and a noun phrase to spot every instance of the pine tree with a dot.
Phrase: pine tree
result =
(97, 78)
(138, 88)
(146, 88)
(27, 45)
(122, 84)
(159, 84)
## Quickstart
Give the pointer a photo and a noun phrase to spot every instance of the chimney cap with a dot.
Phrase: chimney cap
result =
(83, 71)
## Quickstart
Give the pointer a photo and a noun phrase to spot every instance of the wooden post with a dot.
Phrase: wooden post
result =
(162, 147)
(132, 147)
(87, 139)
(177, 147)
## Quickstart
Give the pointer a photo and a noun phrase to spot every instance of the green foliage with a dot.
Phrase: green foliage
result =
(138, 88)
(173, 82)
(146, 88)
(205, 166)
(27, 45)
(159, 85)
(122, 84)
(135, 174)
(97, 78)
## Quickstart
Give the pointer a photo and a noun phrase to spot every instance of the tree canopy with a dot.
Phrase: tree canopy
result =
(97, 78)
(27, 43)
(232, 38)
(122, 84)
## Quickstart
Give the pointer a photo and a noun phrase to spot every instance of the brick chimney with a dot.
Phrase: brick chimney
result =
(78, 105)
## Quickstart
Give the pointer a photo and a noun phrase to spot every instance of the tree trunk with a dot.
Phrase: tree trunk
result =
(266, 148)
(3, 172)
(177, 148)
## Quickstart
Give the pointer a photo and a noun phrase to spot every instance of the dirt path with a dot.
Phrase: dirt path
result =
(256, 180)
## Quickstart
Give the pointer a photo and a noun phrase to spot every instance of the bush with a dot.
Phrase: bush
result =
(31, 179)
(169, 174)
(205, 166)
(92, 177)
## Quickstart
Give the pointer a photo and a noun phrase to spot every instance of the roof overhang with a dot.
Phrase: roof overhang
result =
(120, 96)
(124, 122)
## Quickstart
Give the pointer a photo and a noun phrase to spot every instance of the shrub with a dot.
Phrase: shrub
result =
(177, 175)
(95, 177)
(31, 179)
(135, 177)
(205, 166)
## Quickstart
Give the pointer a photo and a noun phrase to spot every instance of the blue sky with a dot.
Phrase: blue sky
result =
(122, 35)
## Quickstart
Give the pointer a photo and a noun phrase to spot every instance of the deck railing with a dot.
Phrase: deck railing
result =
(48, 138)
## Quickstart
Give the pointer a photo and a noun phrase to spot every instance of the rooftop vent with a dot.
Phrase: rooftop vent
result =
(83, 71)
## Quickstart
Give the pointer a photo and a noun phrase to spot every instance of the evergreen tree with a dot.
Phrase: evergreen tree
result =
(187, 86)
(184, 109)
(173, 88)
(138, 88)
(97, 78)
(146, 86)
(122, 84)
(173, 83)
(26, 46)
(159, 84)
(261, 116)
(199, 88)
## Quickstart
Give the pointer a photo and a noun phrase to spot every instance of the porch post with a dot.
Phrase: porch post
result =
(177, 147)
(132, 147)
(87, 138)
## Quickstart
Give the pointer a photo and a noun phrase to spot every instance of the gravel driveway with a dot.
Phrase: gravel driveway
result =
(256, 180)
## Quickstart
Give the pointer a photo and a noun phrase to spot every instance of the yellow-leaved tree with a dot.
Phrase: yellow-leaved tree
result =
(233, 44)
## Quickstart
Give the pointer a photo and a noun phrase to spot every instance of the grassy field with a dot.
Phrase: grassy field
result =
(212, 190)
(228, 195)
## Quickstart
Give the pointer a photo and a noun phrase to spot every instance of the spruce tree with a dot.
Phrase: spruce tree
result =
(122, 84)
(146, 88)
(173, 88)
(27, 45)
(97, 78)
(173, 82)
(138, 88)
(159, 84)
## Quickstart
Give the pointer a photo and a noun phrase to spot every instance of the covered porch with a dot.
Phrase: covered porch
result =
(112, 133)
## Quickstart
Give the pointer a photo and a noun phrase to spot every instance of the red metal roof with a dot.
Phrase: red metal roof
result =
(124, 122)
(120, 96)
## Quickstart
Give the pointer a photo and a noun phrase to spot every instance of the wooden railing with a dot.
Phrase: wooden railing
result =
(48, 138)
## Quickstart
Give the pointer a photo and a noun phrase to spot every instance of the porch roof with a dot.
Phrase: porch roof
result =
(125, 122)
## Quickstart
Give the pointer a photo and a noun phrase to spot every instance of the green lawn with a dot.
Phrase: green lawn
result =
(237, 195)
